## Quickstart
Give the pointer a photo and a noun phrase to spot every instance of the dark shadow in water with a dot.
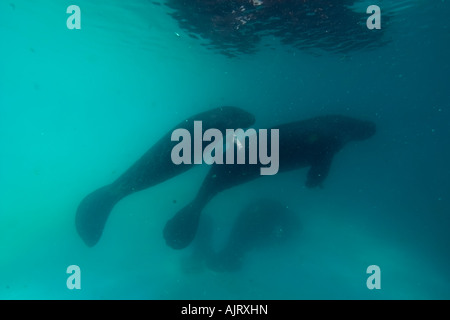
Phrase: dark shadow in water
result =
(234, 27)
(261, 224)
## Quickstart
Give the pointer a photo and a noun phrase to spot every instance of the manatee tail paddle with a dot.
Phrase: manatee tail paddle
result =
(181, 229)
(92, 214)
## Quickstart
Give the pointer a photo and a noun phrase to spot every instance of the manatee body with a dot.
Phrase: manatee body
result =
(259, 225)
(154, 167)
(309, 143)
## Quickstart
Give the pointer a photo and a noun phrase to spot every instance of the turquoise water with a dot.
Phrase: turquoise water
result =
(78, 107)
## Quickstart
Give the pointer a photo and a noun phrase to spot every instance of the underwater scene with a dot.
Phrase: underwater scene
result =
(224, 149)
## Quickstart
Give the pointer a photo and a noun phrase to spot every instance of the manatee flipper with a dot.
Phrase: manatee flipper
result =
(318, 171)
(92, 214)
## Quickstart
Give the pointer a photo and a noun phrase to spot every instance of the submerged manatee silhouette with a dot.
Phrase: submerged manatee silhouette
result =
(260, 224)
(308, 143)
(154, 167)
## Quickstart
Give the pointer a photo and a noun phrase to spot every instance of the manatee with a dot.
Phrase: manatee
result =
(154, 167)
(308, 143)
(260, 224)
